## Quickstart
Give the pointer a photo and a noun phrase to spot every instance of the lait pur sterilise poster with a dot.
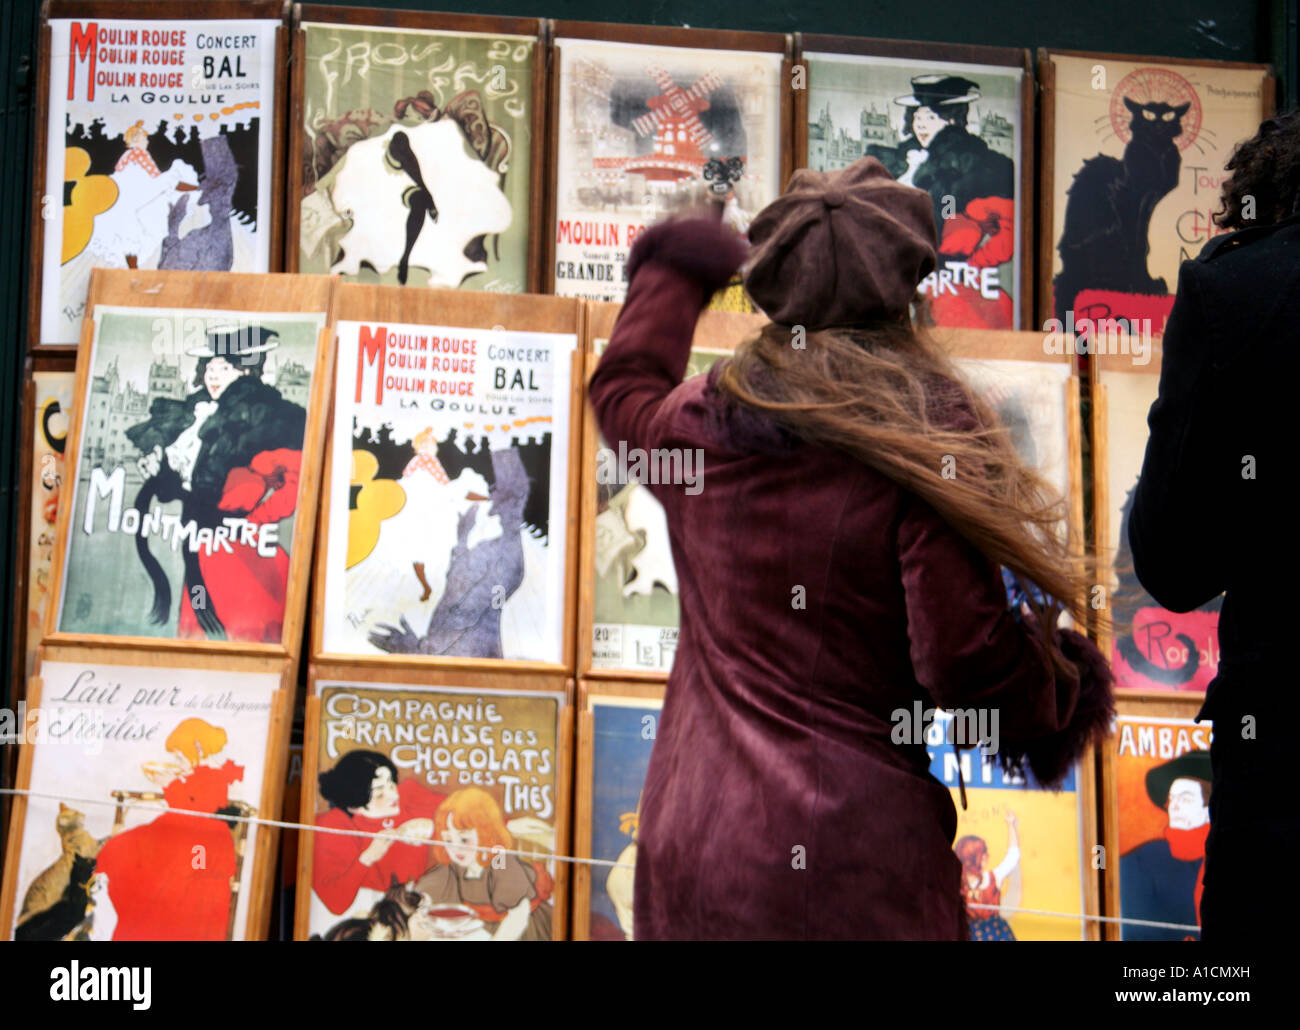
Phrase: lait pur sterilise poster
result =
(141, 757)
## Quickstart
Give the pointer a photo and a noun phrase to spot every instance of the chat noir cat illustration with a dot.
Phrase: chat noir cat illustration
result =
(1105, 242)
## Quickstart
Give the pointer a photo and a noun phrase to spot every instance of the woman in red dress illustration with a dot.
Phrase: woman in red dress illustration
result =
(171, 879)
(230, 451)
(353, 873)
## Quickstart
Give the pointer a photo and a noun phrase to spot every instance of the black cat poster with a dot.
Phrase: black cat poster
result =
(1139, 149)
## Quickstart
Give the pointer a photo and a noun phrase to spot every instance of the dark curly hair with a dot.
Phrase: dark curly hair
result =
(1265, 180)
(347, 785)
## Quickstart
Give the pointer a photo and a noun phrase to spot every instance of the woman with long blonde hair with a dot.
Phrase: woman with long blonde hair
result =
(840, 568)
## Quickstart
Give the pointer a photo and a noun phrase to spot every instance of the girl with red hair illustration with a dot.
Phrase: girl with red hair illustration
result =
(507, 895)
(982, 886)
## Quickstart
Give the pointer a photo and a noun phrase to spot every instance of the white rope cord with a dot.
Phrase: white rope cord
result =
(1092, 919)
(304, 828)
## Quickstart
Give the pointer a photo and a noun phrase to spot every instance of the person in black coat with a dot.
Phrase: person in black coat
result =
(1210, 515)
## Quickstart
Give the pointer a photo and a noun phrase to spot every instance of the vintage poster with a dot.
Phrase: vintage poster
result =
(952, 130)
(124, 746)
(467, 783)
(636, 613)
(1020, 847)
(623, 735)
(416, 165)
(1138, 154)
(159, 153)
(647, 131)
(448, 497)
(182, 512)
(1153, 648)
(1163, 782)
(1029, 397)
(53, 411)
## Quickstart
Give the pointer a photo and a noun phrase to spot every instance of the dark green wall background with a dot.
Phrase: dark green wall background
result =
(1218, 29)
(1229, 30)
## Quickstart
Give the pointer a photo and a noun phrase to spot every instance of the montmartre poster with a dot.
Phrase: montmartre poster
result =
(952, 130)
(182, 513)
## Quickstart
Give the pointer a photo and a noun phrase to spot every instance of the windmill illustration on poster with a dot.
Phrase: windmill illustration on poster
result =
(646, 132)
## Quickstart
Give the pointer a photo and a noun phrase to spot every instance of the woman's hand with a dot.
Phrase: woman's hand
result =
(512, 927)
(376, 850)
(699, 245)
(416, 831)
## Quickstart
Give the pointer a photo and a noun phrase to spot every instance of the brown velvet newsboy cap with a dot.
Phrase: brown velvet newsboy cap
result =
(841, 248)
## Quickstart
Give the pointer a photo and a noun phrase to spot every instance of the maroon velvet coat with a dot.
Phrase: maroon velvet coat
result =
(817, 598)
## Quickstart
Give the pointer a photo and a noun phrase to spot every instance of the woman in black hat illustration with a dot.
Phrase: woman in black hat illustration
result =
(973, 188)
(1161, 880)
(229, 451)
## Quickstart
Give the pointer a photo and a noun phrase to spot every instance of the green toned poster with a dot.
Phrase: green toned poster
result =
(636, 615)
(183, 507)
(415, 157)
(952, 130)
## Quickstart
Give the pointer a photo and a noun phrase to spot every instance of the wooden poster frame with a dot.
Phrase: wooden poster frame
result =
(1046, 213)
(38, 364)
(470, 309)
(1013, 345)
(589, 693)
(264, 867)
(22, 553)
(170, 11)
(249, 292)
(1184, 706)
(436, 678)
(715, 330)
(422, 21)
(956, 53)
(656, 36)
